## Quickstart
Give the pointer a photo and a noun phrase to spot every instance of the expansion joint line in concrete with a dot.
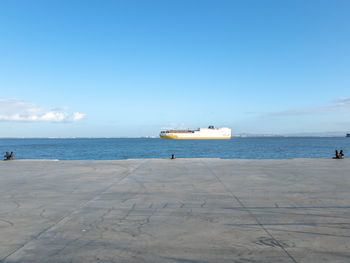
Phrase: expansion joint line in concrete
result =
(250, 213)
(66, 217)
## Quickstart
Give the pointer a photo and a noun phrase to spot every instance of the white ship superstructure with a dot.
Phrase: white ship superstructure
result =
(201, 133)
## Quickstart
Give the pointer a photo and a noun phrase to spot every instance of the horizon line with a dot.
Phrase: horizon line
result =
(157, 137)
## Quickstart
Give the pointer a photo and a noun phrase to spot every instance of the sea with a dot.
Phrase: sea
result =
(140, 148)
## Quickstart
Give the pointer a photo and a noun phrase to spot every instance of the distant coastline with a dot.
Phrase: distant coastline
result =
(157, 137)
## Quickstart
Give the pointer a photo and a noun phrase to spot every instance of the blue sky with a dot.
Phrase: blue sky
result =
(132, 68)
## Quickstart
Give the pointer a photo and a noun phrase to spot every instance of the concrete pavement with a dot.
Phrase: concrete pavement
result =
(183, 210)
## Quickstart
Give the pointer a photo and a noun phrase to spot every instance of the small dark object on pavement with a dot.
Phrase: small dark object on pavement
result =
(8, 156)
(338, 155)
(173, 157)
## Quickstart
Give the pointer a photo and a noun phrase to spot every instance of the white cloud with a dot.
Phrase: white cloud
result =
(341, 101)
(18, 110)
(77, 116)
(337, 105)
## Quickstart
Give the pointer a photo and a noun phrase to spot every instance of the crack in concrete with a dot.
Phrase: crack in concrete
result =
(278, 244)
(128, 212)
(66, 217)
(7, 222)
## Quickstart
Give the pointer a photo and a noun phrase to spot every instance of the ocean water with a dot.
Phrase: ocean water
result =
(118, 149)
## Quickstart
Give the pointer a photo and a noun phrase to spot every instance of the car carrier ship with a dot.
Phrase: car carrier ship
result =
(201, 133)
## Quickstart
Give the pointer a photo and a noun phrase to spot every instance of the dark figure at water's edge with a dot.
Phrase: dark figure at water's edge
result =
(338, 155)
(8, 156)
